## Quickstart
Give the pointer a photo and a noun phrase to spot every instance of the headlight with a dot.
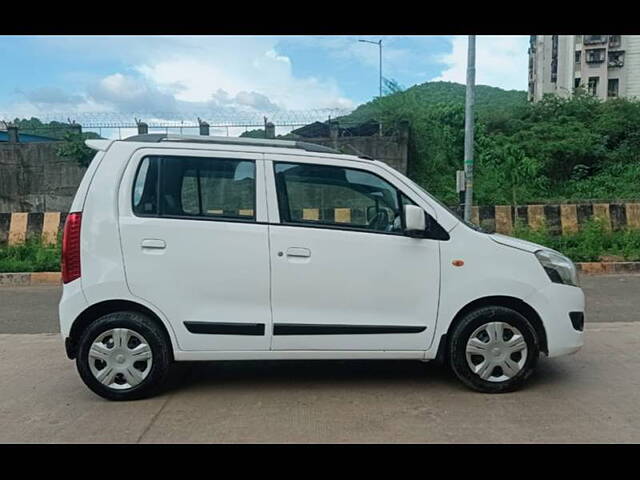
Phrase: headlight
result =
(559, 268)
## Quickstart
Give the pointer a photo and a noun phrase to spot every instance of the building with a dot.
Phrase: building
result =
(606, 66)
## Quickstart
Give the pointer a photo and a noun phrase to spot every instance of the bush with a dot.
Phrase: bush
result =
(32, 256)
(592, 243)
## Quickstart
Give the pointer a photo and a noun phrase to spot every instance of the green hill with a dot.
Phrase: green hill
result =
(489, 100)
(555, 150)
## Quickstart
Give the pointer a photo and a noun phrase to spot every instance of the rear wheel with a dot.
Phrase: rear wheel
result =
(493, 349)
(124, 356)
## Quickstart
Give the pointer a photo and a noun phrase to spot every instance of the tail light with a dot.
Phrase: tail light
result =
(71, 247)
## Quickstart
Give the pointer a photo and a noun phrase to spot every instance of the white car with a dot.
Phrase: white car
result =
(215, 248)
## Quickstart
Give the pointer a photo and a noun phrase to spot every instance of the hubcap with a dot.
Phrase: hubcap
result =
(496, 351)
(120, 358)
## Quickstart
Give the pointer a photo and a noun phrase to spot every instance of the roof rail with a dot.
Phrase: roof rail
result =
(254, 142)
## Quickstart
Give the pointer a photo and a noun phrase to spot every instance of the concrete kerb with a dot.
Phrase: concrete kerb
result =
(26, 279)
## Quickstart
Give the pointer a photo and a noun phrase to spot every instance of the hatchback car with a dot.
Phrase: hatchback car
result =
(181, 248)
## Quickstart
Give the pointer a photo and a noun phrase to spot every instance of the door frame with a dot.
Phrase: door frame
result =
(276, 221)
(124, 210)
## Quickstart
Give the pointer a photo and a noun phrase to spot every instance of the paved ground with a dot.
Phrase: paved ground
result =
(593, 396)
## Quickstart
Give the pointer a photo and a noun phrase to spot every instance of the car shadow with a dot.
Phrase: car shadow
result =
(278, 374)
(301, 373)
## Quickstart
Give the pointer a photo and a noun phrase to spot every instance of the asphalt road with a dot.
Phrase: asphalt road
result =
(592, 396)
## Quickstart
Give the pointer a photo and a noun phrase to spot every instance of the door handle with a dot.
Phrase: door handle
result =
(153, 243)
(298, 252)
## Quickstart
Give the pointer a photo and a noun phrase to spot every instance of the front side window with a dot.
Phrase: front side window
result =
(197, 187)
(336, 196)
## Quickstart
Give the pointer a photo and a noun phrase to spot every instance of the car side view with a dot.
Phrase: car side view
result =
(180, 248)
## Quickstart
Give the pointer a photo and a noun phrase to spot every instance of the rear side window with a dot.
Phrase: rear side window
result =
(198, 187)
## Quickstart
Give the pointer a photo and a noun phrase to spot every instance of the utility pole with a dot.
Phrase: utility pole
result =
(468, 127)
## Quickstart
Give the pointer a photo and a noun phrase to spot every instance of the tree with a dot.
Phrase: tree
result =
(74, 147)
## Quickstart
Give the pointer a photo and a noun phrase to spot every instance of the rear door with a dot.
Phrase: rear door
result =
(195, 244)
(344, 274)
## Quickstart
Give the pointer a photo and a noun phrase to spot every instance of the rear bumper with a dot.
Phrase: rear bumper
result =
(71, 305)
(557, 304)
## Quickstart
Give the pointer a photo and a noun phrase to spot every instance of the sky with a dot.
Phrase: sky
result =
(234, 75)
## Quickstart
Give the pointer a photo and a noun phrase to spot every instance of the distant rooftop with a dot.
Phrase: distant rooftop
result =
(26, 138)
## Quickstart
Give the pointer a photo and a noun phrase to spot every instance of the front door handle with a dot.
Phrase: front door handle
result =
(153, 243)
(298, 252)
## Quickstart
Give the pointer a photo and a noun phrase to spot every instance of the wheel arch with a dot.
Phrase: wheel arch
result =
(514, 303)
(100, 309)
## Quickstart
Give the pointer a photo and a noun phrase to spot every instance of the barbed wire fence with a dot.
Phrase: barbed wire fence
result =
(219, 122)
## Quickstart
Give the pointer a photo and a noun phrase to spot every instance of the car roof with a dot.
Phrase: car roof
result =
(230, 143)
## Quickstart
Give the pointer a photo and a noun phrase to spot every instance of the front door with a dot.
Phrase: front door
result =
(344, 275)
(195, 245)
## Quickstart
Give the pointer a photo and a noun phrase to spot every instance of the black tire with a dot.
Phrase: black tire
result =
(161, 355)
(468, 325)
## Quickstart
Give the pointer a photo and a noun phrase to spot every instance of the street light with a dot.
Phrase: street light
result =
(379, 43)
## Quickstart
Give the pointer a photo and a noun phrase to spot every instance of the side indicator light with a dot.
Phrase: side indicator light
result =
(457, 263)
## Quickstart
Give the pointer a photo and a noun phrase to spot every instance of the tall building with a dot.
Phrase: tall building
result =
(606, 66)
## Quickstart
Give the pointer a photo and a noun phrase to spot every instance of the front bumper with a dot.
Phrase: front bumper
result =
(554, 304)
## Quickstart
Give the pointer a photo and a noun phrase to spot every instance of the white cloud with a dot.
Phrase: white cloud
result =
(192, 74)
(501, 61)
(130, 94)
(254, 69)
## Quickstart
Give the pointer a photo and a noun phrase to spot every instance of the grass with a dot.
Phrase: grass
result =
(593, 243)
(32, 256)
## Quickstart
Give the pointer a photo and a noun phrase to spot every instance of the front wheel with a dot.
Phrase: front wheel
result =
(493, 350)
(123, 356)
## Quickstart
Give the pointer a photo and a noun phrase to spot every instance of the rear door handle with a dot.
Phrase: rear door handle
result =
(153, 243)
(298, 252)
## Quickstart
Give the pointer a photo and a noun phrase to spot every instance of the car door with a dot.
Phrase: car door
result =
(344, 276)
(195, 244)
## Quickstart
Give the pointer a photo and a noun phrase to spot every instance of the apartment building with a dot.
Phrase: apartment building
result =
(606, 66)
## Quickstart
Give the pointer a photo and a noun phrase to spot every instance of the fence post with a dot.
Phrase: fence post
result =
(12, 132)
(204, 127)
(269, 130)
(334, 132)
(143, 128)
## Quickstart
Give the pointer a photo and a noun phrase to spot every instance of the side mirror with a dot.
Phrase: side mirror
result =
(415, 219)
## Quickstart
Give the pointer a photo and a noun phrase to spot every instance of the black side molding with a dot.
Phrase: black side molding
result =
(313, 329)
(219, 328)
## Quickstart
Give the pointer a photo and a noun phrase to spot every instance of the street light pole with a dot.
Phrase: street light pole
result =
(379, 43)
(468, 127)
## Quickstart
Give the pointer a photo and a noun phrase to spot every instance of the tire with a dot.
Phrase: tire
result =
(486, 324)
(113, 338)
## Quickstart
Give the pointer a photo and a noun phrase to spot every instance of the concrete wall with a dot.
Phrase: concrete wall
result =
(391, 150)
(34, 179)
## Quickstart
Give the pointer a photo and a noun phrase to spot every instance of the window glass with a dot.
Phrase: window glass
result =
(323, 194)
(145, 200)
(208, 187)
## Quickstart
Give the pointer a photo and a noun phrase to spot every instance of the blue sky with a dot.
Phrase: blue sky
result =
(44, 75)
